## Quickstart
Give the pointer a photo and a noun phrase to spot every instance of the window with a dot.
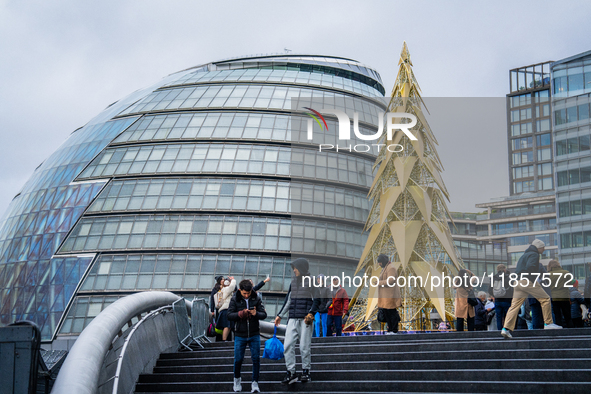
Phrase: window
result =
(522, 143)
(543, 140)
(561, 148)
(559, 117)
(542, 125)
(544, 154)
(584, 111)
(571, 114)
(523, 157)
(523, 172)
(545, 183)
(545, 169)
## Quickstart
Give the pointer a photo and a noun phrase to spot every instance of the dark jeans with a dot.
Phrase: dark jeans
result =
(392, 318)
(561, 310)
(460, 324)
(578, 322)
(501, 309)
(537, 317)
(255, 353)
(338, 323)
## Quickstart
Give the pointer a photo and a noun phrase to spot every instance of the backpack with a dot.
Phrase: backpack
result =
(498, 290)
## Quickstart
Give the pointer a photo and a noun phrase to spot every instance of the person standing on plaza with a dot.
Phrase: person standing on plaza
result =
(464, 311)
(502, 292)
(587, 290)
(320, 327)
(481, 313)
(222, 301)
(389, 293)
(560, 293)
(246, 309)
(528, 264)
(301, 304)
(576, 300)
(338, 308)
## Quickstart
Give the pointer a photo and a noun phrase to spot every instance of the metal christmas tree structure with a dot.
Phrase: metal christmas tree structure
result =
(409, 217)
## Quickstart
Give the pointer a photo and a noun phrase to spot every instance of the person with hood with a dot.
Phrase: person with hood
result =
(560, 293)
(389, 298)
(338, 308)
(502, 292)
(528, 264)
(320, 327)
(246, 309)
(301, 304)
(217, 287)
(222, 301)
(576, 300)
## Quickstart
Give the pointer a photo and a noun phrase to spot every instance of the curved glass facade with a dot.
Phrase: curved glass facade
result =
(201, 174)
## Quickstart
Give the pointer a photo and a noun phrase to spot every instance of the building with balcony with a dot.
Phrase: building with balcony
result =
(571, 84)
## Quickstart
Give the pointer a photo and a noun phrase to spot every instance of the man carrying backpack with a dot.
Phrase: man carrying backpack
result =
(246, 309)
(502, 292)
(301, 303)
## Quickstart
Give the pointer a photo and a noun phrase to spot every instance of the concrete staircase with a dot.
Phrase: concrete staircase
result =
(537, 361)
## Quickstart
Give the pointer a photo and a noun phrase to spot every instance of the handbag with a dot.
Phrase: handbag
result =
(211, 329)
(273, 348)
(472, 298)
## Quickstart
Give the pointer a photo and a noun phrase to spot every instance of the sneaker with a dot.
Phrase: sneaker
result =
(290, 378)
(506, 333)
(237, 384)
(552, 326)
(305, 377)
(391, 333)
(255, 387)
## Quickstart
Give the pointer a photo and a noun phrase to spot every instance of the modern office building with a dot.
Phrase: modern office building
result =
(530, 210)
(571, 84)
(208, 172)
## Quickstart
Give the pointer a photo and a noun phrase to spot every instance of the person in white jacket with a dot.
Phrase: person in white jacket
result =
(222, 302)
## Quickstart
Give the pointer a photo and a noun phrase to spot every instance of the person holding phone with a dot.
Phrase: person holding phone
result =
(246, 309)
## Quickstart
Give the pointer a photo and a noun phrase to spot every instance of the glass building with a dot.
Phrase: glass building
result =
(205, 173)
(571, 84)
(529, 212)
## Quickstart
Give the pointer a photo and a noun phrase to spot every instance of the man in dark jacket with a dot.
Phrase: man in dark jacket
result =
(338, 308)
(323, 292)
(246, 309)
(481, 313)
(527, 266)
(301, 303)
(502, 292)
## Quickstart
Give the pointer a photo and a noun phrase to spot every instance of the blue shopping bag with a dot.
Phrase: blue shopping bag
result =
(273, 348)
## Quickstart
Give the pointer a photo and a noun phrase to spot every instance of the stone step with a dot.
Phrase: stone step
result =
(393, 356)
(336, 376)
(417, 346)
(393, 365)
(356, 386)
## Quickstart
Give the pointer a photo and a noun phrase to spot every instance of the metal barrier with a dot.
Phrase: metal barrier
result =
(200, 320)
(183, 329)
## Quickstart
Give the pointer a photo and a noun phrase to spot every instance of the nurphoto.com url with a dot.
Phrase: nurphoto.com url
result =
(432, 282)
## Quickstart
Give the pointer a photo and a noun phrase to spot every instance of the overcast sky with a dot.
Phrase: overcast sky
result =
(62, 62)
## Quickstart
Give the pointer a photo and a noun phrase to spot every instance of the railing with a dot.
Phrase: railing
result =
(103, 338)
(525, 212)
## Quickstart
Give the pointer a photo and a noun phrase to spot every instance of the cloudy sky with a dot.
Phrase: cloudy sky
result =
(62, 62)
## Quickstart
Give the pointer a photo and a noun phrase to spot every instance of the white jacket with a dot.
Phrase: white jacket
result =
(226, 294)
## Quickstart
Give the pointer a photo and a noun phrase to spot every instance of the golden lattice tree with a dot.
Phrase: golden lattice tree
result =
(408, 220)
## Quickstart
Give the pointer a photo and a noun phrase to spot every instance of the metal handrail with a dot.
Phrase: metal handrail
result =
(81, 370)
(150, 315)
